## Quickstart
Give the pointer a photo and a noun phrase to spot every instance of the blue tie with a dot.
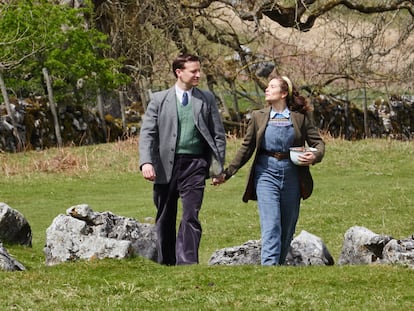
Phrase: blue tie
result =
(185, 99)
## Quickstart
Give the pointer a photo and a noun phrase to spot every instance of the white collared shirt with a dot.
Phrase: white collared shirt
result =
(285, 113)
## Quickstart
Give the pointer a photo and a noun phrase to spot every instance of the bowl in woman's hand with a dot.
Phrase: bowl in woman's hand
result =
(296, 151)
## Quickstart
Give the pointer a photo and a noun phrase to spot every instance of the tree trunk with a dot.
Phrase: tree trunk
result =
(122, 106)
(143, 86)
(235, 101)
(366, 129)
(10, 113)
(225, 107)
(53, 107)
(99, 102)
(346, 110)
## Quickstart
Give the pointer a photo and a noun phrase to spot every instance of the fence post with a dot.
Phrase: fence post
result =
(52, 107)
(10, 113)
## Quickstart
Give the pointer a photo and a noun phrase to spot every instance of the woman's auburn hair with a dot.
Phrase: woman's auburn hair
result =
(295, 101)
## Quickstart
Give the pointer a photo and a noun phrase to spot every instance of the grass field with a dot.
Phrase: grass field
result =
(367, 183)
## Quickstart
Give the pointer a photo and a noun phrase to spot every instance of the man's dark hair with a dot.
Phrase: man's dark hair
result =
(179, 62)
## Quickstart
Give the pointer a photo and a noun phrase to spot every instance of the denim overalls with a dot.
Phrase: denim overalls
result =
(278, 190)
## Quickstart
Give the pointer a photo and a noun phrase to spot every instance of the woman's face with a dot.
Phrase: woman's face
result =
(273, 92)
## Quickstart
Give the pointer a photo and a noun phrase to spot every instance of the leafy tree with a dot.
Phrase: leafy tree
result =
(41, 37)
(61, 39)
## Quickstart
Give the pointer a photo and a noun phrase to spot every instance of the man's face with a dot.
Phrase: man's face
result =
(189, 76)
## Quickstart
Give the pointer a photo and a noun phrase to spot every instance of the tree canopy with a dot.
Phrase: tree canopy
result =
(38, 34)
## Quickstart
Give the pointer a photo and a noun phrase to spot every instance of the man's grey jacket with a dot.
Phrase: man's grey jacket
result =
(159, 132)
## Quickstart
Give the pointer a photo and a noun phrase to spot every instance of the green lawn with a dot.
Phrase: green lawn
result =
(367, 183)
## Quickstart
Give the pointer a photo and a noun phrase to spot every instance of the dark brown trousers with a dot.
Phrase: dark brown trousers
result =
(187, 183)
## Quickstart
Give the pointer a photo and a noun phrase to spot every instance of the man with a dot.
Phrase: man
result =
(181, 137)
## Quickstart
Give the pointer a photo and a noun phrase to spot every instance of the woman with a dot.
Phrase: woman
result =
(274, 181)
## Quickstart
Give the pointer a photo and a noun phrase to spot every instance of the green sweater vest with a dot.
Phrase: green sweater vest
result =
(189, 140)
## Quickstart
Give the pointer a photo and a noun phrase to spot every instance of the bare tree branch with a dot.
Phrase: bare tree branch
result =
(310, 10)
(147, 33)
(8, 65)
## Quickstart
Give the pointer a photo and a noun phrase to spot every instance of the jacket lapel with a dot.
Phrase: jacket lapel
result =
(197, 103)
(170, 106)
(262, 119)
(297, 120)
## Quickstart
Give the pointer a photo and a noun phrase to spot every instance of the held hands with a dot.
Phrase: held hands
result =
(218, 180)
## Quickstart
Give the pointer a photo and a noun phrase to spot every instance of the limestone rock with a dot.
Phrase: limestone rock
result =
(85, 234)
(306, 249)
(14, 228)
(7, 262)
(246, 254)
(399, 252)
(362, 246)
